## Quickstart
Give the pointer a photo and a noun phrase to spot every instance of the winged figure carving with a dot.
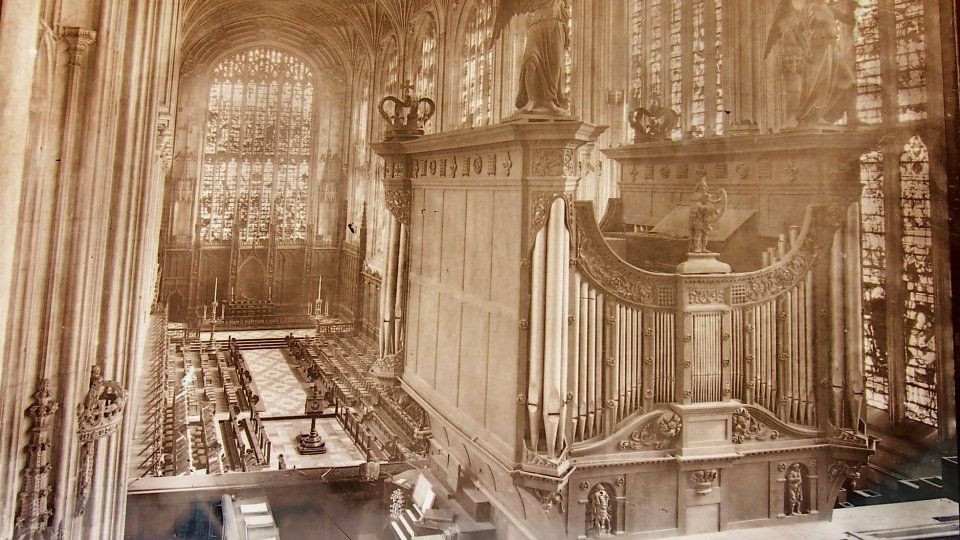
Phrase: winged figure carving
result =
(542, 66)
(807, 31)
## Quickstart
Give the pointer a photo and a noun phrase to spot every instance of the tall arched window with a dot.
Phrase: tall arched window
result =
(906, 88)
(476, 99)
(677, 59)
(258, 149)
(426, 82)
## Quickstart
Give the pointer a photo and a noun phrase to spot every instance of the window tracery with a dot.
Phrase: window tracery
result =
(426, 80)
(873, 274)
(919, 315)
(258, 148)
(675, 49)
(476, 96)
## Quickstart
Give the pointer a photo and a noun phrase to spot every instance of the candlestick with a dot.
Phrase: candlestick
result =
(216, 282)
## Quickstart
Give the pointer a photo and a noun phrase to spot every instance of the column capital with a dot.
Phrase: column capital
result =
(78, 40)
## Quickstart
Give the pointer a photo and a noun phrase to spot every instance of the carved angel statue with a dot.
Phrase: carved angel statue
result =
(542, 65)
(655, 123)
(807, 31)
(704, 213)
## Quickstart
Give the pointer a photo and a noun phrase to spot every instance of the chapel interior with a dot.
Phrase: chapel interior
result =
(480, 269)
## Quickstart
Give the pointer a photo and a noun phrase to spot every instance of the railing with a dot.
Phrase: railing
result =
(639, 339)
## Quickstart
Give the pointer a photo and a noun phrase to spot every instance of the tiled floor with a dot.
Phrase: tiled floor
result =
(341, 452)
(281, 393)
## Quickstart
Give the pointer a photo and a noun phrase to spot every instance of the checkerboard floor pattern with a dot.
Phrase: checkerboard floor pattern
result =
(281, 393)
(341, 452)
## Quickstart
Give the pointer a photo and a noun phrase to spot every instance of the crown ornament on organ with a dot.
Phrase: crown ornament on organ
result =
(406, 116)
(101, 412)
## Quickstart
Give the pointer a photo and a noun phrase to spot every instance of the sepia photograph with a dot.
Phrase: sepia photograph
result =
(479, 269)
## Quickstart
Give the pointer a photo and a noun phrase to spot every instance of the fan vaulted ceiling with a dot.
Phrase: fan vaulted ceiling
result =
(337, 33)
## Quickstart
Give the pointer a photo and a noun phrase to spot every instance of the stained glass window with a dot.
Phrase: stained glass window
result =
(426, 82)
(907, 87)
(911, 66)
(697, 116)
(867, 36)
(675, 100)
(918, 316)
(669, 61)
(476, 96)
(258, 148)
(873, 275)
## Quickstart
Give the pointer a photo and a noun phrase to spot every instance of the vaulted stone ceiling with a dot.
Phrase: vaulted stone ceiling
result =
(337, 33)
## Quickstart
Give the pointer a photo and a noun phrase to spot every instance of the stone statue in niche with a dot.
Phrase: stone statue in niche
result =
(599, 515)
(794, 491)
(653, 123)
(807, 31)
(542, 71)
(704, 213)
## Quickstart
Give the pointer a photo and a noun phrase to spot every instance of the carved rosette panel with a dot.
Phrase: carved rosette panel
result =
(398, 202)
(656, 433)
(606, 269)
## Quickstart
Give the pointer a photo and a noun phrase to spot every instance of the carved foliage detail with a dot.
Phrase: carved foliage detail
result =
(746, 427)
(656, 433)
(706, 296)
(398, 202)
(601, 264)
(553, 162)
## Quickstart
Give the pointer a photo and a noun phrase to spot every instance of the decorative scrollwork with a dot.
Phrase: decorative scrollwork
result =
(656, 433)
(398, 202)
(746, 427)
(541, 208)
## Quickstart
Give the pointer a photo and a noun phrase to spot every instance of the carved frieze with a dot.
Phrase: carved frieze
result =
(656, 433)
(706, 296)
(746, 427)
(507, 165)
(553, 162)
